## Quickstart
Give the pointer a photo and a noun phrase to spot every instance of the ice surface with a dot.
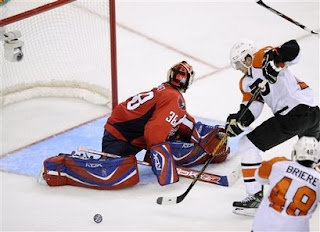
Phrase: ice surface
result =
(152, 35)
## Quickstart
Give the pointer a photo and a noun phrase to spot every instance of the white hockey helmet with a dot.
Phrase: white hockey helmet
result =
(240, 51)
(306, 148)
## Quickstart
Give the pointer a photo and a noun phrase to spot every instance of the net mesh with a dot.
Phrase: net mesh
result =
(66, 52)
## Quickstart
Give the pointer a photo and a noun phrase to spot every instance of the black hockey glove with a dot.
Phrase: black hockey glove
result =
(269, 66)
(233, 127)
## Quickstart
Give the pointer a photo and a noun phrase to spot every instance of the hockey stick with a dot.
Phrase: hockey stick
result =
(178, 199)
(182, 171)
(261, 3)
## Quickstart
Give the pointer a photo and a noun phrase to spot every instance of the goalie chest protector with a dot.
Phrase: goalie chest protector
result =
(65, 169)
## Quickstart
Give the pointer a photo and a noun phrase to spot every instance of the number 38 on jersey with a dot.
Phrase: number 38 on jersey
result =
(173, 119)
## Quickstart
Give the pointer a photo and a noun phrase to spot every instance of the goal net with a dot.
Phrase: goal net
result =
(66, 50)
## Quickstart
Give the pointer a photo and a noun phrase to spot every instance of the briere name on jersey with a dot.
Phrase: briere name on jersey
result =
(302, 175)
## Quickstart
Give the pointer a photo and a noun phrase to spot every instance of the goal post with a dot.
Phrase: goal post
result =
(69, 50)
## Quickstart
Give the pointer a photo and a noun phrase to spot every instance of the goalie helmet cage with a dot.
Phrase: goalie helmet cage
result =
(69, 51)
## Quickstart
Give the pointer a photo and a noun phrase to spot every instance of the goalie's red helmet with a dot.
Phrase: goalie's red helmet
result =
(181, 75)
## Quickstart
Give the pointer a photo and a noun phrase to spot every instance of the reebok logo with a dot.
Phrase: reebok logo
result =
(157, 162)
(187, 145)
(93, 165)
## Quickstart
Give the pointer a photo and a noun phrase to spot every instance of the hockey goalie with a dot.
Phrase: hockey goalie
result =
(154, 120)
(117, 173)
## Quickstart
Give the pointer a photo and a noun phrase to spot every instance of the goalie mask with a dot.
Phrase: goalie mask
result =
(306, 149)
(181, 75)
(239, 52)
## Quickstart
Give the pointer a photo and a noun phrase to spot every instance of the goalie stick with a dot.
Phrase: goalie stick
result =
(178, 199)
(226, 181)
(261, 3)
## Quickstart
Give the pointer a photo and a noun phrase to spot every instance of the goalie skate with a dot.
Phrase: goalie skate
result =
(249, 205)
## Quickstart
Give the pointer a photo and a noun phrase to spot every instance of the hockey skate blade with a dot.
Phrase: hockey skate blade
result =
(167, 200)
(244, 211)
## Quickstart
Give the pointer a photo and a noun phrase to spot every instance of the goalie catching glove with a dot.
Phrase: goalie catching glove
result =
(208, 137)
(197, 151)
(209, 142)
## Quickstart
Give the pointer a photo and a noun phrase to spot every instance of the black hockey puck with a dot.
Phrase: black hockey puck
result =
(97, 218)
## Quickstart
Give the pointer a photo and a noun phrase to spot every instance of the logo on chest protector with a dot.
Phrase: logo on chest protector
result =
(93, 165)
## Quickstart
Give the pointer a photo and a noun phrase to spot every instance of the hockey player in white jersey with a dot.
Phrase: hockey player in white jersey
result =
(294, 189)
(290, 99)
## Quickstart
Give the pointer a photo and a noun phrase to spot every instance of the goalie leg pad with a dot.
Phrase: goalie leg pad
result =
(66, 169)
(163, 164)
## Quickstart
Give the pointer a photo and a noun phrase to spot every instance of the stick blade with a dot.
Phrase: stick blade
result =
(167, 200)
(170, 200)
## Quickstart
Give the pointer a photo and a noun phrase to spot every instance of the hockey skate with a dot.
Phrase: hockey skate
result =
(249, 205)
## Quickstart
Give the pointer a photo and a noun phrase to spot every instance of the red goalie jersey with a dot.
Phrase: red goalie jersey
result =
(149, 118)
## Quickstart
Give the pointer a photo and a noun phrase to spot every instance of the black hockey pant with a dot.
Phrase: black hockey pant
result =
(302, 120)
(117, 147)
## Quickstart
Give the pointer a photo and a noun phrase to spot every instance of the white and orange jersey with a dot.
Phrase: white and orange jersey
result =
(282, 96)
(291, 199)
